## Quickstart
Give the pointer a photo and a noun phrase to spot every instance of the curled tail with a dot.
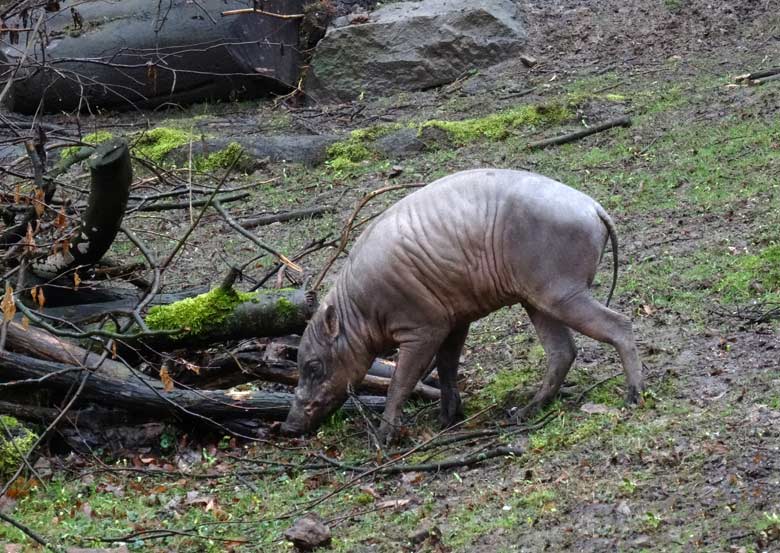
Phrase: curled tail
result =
(613, 239)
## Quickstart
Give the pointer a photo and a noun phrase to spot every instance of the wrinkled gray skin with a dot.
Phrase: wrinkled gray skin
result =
(445, 256)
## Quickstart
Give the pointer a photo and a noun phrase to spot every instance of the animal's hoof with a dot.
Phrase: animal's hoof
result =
(634, 396)
(526, 413)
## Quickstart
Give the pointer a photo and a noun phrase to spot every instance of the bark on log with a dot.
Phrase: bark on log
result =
(135, 394)
(111, 174)
(39, 343)
(571, 137)
(138, 53)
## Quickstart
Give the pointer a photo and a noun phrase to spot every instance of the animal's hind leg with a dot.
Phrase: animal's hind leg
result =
(587, 316)
(561, 351)
(447, 366)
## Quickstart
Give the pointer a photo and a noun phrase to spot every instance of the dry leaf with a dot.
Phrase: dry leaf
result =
(61, 220)
(113, 349)
(40, 207)
(393, 503)
(76, 280)
(8, 304)
(66, 247)
(17, 194)
(41, 298)
(25, 322)
(598, 409)
(29, 240)
(166, 379)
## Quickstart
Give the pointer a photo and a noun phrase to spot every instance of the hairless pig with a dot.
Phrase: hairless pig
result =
(447, 255)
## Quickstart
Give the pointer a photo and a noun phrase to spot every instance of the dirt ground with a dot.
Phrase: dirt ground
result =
(694, 187)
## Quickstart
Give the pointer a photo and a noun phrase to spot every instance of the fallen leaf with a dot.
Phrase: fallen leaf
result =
(393, 503)
(412, 478)
(76, 281)
(166, 379)
(597, 409)
(25, 322)
(8, 304)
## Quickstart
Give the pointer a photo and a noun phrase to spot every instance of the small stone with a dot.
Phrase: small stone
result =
(423, 532)
(395, 171)
(623, 509)
(528, 61)
(309, 533)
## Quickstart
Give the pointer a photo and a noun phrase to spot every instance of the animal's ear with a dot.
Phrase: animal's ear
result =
(331, 322)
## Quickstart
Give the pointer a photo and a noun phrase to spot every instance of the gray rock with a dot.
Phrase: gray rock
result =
(309, 533)
(414, 46)
(401, 143)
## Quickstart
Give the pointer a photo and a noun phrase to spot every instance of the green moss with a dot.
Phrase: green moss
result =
(198, 314)
(158, 143)
(345, 154)
(222, 159)
(499, 126)
(94, 139)
(15, 446)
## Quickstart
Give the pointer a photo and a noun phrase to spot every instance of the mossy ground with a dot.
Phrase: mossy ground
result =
(693, 189)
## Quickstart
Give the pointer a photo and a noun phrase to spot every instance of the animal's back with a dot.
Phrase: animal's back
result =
(472, 242)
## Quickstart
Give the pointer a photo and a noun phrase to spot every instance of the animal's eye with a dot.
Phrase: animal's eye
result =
(314, 368)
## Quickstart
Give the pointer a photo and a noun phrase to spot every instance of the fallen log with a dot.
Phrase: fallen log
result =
(36, 342)
(137, 394)
(571, 137)
(224, 314)
(137, 53)
(111, 174)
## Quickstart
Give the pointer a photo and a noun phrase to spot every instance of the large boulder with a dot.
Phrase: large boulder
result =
(410, 46)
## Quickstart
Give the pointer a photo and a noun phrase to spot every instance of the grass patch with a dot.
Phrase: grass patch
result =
(569, 429)
(753, 276)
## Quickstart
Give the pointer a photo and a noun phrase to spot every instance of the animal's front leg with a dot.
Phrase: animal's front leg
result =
(413, 359)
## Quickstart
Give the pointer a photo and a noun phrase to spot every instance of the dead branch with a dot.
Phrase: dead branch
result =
(169, 206)
(571, 137)
(759, 77)
(262, 12)
(305, 213)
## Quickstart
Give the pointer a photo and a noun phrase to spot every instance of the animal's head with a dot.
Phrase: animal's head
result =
(326, 366)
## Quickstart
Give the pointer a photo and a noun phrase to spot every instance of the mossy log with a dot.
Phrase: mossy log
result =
(136, 395)
(111, 174)
(224, 314)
